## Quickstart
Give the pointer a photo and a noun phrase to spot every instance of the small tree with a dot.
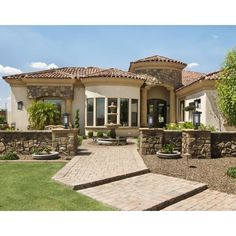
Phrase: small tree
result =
(77, 124)
(42, 114)
(226, 88)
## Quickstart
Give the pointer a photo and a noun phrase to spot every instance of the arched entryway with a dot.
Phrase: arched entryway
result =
(157, 108)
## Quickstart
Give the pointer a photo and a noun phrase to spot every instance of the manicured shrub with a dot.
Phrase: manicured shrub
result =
(90, 134)
(187, 125)
(9, 156)
(231, 172)
(80, 140)
(99, 134)
(108, 133)
(2, 120)
(77, 122)
(168, 148)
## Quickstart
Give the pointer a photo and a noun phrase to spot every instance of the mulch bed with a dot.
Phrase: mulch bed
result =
(209, 171)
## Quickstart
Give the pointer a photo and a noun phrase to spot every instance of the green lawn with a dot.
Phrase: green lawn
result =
(28, 186)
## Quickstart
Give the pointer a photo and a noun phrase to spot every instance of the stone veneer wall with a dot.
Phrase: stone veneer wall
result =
(65, 141)
(65, 92)
(196, 143)
(151, 140)
(173, 137)
(167, 76)
(22, 142)
(223, 144)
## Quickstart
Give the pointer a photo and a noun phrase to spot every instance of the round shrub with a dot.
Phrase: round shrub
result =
(9, 156)
(231, 172)
(99, 134)
(80, 139)
(90, 134)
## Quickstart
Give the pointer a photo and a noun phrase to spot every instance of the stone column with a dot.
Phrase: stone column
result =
(172, 106)
(69, 108)
(196, 143)
(143, 105)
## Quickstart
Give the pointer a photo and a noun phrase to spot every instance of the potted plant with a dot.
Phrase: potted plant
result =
(168, 152)
(44, 153)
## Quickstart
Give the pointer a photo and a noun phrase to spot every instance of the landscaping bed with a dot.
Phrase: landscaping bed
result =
(210, 171)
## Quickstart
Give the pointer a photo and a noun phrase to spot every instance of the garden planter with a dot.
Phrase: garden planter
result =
(46, 156)
(174, 155)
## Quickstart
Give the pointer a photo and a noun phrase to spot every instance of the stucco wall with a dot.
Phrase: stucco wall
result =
(20, 117)
(190, 98)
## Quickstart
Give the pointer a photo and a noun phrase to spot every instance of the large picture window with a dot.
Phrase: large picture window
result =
(100, 111)
(124, 111)
(90, 107)
(134, 112)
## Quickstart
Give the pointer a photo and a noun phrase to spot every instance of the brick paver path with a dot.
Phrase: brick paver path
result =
(100, 165)
(208, 200)
(144, 192)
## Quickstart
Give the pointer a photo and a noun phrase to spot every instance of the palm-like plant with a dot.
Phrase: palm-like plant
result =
(42, 114)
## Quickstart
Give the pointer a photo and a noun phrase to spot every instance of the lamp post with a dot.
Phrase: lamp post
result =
(66, 120)
(150, 121)
(196, 119)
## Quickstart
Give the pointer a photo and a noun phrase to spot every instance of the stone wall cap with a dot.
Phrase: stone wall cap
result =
(168, 130)
(224, 132)
(64, 130)
(196, 130)
(151, 129)
(25, 131)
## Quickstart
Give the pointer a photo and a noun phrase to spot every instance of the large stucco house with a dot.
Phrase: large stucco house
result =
(154, 85)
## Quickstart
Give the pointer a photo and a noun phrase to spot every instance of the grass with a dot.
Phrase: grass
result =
(28, 186)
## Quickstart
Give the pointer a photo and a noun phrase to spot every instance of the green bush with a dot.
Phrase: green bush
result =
(40, 150)
(231, 172)
(2, 120)
(172, 126)
(109, 133)
(168, 148)
(42, 114)
(9, 156)
(99, 134)
(90, 134)
(80, 140)
(187, 125)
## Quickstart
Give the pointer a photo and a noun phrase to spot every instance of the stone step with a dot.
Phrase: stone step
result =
(144, 192)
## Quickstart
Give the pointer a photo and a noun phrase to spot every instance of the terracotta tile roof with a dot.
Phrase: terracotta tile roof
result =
(60, 73)
(158, 58)
(189, 77)
(211, 76)
(116, 73)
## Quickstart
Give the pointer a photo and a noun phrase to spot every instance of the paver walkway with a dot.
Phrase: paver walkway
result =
(101, 164)
(144, 192)
(117, 176)
(208, 200)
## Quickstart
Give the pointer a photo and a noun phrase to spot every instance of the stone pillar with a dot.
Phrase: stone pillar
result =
(151, 140)
(196, 143)
(65, 141)
(143, 105)
(69, 108)
(172, 106)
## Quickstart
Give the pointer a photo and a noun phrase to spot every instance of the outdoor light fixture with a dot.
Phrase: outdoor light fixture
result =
(150, 121)
(196, 103)
(20, 105)
(196, 119)
(66, 120)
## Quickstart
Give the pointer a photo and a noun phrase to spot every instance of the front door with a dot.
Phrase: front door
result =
(157, 109)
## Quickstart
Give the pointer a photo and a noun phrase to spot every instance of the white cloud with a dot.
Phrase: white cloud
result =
(8, 70)
(43, 65)
(191, 65)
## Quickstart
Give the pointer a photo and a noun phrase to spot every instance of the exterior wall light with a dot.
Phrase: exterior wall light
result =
(196, 119)
(196, 103)
(20, 105)
(66, 120)
(150, 121)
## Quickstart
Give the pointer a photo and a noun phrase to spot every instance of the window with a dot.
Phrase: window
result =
(112, 118)
(124, 111)
(182, 111)
(90, 106)
(100, 111)
(134, 112)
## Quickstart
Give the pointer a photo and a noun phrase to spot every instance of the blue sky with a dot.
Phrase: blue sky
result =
(30, 48)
